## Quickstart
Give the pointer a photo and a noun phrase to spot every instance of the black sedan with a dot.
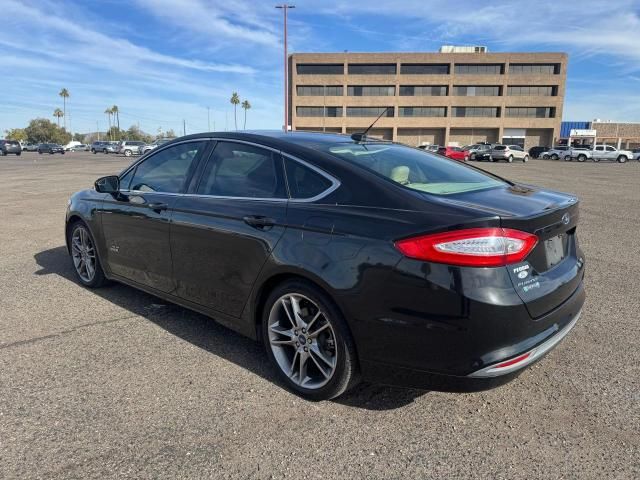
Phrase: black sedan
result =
(349, 258)
(50, 148)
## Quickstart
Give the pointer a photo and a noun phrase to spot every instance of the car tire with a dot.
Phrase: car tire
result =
(81, 240)
(510, 159)
(596, 159)
(472, 156)
(525, 159)
(39, 152)
(582, 158)
(555, 157)
(105, 151)
(567, 158)
(545, 157)
(127, 153)
(330, 365)
(93, 151)
(622, 159)
(19, 153)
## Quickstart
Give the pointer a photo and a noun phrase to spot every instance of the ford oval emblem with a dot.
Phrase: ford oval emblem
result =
(566, 218)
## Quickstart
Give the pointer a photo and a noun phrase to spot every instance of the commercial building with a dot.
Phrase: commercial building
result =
(452, 98)
(619, 134)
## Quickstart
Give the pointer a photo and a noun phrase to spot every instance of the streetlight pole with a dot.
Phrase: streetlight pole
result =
(284, 8)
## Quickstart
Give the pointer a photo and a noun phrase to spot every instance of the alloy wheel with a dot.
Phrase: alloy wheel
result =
(302, 341)
(84, 254)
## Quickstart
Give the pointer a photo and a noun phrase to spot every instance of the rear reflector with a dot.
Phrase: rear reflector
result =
(473, 247)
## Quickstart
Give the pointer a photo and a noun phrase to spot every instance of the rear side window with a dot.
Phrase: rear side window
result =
(499, 147)
(167, 170)
(240, 170)
(414, 168)
(304, 183)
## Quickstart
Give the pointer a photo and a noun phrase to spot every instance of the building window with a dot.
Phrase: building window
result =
(475, 112)
(534, 68)
(369, 111)
(372, 68)
(423, 90)
(423, 111)
(317, 111)
(531, 112)
(476, 91)
(479, 68)
(532, 90)
(320, 69)
(371, 91)
(424, 68)
(319, 90)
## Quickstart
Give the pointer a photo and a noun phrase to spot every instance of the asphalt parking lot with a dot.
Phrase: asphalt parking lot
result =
(116, 383)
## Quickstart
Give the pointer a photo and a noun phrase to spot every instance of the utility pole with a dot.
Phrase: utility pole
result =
(208, 121)
(284, 8)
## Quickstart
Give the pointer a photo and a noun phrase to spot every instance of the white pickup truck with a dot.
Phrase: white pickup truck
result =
(599, 152)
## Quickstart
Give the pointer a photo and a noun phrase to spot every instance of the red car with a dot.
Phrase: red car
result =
(455, 153)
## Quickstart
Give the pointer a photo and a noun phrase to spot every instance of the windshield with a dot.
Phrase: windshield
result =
(414, 168)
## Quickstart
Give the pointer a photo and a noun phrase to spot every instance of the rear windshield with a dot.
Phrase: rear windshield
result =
(414, 168)
(499, 147)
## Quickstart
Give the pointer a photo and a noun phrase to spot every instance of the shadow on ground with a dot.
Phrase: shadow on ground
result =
(205, 333)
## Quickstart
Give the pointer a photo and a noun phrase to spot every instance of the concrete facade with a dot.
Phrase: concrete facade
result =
(509, 125)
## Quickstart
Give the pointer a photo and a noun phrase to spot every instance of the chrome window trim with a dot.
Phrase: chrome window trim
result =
(335, 183)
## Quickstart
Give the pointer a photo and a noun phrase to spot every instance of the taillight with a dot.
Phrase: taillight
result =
(473, 247)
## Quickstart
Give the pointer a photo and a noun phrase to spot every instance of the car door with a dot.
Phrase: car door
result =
(224, 230)
(598, 152)
(610, 153)
(135, 223)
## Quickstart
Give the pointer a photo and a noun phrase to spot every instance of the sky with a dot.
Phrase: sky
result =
(166, 61)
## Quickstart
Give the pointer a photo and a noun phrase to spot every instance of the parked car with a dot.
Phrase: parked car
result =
(579, 153)
(99, 146)
(156, 144)
(456, 153)
(31, 147)
(10, 146)
(556, 152)
(69, 146)
(80, 148)
(535, 152)
(636, 154)
(508, 153)
(50, 148)
(371, 260)
(479, 151)
(607, 152)
(112, 147)
(128, 148)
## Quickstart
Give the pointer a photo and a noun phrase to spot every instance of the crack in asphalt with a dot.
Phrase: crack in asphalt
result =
(63, 332)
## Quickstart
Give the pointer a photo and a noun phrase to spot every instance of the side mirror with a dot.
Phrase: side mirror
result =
(108, 184)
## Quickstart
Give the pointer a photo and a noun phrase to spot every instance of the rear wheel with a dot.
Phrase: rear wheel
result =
(582, 157)
(84, 256)
(510, 159)
(622, 159)
(472, 156)
(545, 157)
(308, 341)
(526, 158)
(555, 156)
(93, 151)
(567, 158)
(127, 153)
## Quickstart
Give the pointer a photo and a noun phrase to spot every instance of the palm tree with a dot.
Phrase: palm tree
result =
(116, 114)
(58, 113)
(109, 112)
(235, 100)
(64, 93)
(246, 105)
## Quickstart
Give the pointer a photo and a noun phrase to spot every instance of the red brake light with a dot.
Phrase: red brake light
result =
(473, 247)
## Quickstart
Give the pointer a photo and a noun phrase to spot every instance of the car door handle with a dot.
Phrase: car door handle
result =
(157, 206)
(258, 221)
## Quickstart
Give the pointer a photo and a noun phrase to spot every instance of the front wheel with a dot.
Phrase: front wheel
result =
(622, 159)
(127, 153)
(308, 341)
(105, 151)
(93, 151)
(472, 156)
(555, 157)
(84, 256)
(582, 158)
(510, 159)
(525, 159)
(567, 158)
(545, 157)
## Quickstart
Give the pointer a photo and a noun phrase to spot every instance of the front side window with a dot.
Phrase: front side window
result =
(304, 183)
(414, 168)
(167, 170)
(240, 170)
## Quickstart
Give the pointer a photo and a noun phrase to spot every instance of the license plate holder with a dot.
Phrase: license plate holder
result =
(554, 249)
